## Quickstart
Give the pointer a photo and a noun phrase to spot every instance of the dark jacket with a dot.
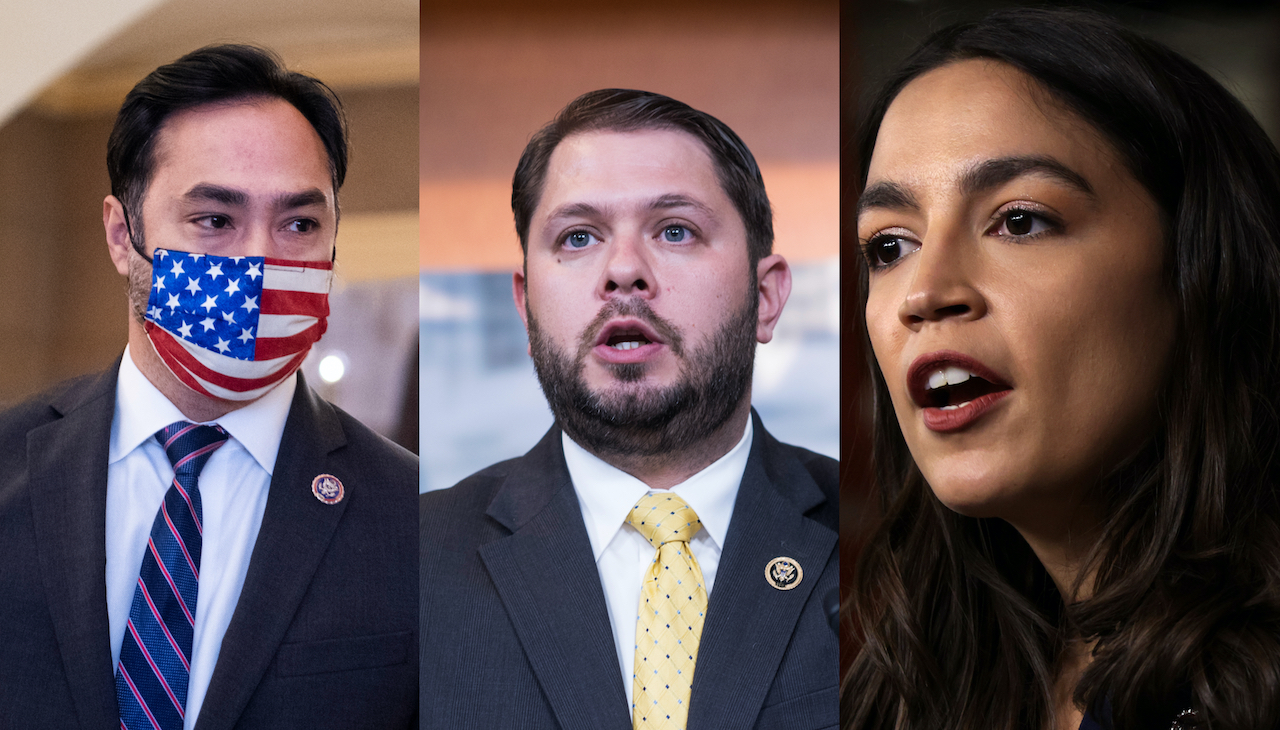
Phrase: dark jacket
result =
(324, 634)
(516, 633)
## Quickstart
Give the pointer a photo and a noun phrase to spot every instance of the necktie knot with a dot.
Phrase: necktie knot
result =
(189, 446)
(664, 518)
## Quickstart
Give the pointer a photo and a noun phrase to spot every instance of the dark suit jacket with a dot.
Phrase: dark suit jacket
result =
(515, 629)
(325, 632)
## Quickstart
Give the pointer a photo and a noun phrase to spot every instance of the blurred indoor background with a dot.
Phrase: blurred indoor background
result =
(68, 65)
(494, 72)
(1236, 40)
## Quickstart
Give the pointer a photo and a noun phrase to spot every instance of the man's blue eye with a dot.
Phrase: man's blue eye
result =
(675, 234)
(578, 239)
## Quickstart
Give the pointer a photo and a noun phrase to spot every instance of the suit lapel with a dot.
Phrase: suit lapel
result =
(67, 462)
(750, 623)
(550, 587)
(296, 530)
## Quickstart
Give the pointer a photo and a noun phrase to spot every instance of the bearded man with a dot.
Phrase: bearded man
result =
(658, 560)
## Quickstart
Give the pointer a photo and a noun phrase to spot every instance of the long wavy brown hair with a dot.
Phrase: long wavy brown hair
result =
(958, 625)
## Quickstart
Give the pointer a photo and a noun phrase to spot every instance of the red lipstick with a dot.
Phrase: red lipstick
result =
(954, 390)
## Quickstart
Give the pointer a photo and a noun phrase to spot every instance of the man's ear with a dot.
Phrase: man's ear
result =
(118, 244)
(773, 281)
(520, 294)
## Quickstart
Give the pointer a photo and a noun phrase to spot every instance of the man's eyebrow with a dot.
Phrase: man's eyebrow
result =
(216, 194)
(663, 202)
(889, 195)
(995, 172)
(203, 192)
(676, 200)
(314, 196)
(574, 210)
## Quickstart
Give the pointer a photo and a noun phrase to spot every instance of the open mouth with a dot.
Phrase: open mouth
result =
(951, 388)
(627, 339)
(954, 390)
(627, 333)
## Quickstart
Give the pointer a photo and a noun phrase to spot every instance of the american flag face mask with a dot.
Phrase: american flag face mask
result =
(233, 327)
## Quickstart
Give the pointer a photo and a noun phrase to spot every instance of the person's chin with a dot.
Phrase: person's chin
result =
(633, 377)
(971, 487)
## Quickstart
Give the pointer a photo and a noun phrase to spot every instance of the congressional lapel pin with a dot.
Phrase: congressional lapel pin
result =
(328, 489)
(783, 573)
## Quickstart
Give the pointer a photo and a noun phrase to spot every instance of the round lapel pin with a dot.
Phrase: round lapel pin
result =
(783, 573)
(328, 489)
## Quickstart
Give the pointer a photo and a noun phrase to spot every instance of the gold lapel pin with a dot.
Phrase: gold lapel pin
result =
(783, 573)
(328, 489)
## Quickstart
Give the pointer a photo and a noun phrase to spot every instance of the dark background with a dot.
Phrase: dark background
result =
(1238, 41)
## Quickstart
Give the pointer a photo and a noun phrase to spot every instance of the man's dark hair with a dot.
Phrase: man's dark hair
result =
(627, 110)
(209, 75)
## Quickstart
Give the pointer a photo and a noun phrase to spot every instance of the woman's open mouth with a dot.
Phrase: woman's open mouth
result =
(953, 389)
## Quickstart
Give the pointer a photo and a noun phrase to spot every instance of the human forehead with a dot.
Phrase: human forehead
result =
(623, 169)
(228, 136)
(952, 118)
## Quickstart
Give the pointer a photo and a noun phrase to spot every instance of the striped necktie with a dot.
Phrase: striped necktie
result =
(155, 658)
(673, 603)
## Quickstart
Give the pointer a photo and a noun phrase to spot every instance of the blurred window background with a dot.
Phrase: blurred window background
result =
(68, 65)
(494, 72)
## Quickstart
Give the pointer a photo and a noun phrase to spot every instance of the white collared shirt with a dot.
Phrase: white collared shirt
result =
(233, 494)
(606, 495)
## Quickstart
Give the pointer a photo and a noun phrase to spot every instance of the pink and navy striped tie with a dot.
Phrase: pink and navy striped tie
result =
(155, 658)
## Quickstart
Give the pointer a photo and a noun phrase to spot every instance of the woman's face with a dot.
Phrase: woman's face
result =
(1016, 303)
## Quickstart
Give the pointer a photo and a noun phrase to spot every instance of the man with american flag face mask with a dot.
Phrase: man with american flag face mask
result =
(194, 535)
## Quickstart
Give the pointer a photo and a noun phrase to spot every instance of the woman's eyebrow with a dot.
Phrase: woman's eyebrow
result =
(993, 173)
(888, 195)
(979, 178)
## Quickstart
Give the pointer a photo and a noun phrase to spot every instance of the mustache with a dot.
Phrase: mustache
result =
(631, 307)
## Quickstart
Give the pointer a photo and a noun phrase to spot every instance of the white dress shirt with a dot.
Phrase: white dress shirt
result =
(233, 494)
(606, 495)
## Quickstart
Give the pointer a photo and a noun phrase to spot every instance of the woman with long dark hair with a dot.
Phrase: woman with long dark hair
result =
(1071, 246)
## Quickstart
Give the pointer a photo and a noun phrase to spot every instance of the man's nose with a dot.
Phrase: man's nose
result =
(628, 267)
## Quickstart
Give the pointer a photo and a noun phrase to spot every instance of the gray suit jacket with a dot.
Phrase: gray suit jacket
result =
(324, 634)
(515, 629)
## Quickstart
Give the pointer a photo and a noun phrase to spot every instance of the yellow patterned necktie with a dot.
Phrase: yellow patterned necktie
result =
(673, 602)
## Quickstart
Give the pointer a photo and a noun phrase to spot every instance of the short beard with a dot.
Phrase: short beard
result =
(649, 422)
(139, 286)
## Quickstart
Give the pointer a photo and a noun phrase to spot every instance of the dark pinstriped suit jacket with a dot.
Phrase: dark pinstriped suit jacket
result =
(515, 629)
(325, 632)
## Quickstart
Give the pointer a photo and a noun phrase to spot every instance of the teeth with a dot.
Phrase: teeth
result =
(957, 406)
(630, 345)
(956, 376)
(950, 375)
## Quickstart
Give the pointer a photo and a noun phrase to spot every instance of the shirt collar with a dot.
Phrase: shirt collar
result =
(141, 410)
(606, 494)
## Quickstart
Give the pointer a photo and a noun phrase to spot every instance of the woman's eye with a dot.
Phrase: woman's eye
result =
(580, 239)
(883, 250)
(676, 234)
(1021, 223)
